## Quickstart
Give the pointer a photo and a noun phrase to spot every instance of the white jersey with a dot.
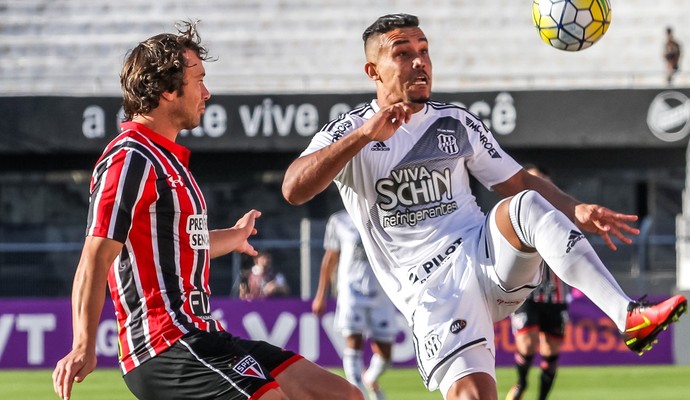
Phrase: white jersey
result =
(363, 307)
(356, 280)
(410, 195)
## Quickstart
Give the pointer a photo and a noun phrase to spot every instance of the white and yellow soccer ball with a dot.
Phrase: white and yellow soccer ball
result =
(571, 25)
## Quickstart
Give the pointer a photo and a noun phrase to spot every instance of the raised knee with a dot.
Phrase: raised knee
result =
(532, 197)
(526, 209)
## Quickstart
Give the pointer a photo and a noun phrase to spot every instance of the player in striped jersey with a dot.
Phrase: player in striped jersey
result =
(148, 236)
(539, 326)
(402, 164)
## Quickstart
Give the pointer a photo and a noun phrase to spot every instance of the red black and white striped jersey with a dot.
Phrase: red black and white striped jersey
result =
(551, 290)
(144, 196)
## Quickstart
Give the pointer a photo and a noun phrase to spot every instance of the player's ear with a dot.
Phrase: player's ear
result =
(168, 95)
(371, 71)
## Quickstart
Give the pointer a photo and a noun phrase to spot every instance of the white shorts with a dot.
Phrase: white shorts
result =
(460, 303)
(474, 360)
(375, 318)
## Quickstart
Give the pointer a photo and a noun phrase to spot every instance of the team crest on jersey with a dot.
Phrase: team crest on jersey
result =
(432, 344)
(175, 181)
(448, 144)
(249, 367)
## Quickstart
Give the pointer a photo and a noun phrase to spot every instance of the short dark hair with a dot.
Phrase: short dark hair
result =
(156, 66)
(388, 23)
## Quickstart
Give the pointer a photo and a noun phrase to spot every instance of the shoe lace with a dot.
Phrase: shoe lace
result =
(639, 303)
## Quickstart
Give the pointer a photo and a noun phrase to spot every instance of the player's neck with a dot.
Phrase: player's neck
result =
(384, 102)
(161, 126)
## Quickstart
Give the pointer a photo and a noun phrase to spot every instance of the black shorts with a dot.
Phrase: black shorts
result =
(549, 318)
(215, 365)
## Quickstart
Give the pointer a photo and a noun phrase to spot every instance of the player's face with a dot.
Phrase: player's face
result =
(404, 66)
(192, 104)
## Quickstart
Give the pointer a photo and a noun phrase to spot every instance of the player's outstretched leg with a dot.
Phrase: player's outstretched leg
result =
(645, 321)
(539, 225)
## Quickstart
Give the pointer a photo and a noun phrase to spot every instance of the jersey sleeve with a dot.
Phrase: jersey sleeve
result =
(331, 133)
(489, 163)
(117, 186)
(331, 240)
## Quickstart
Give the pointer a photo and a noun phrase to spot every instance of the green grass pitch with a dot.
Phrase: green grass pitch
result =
(610, 383)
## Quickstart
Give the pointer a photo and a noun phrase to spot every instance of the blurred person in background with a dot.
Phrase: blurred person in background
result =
(147, 236)
(363, 311)
(671, 55)
(539, 326)
(402, 164)
(262, 280)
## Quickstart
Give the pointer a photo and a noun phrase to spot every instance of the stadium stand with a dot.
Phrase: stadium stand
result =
(76, 47)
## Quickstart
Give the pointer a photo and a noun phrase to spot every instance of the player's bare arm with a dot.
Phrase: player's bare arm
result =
(329, 264)
(224, 241)
(310, 175)
(88, 296)
(588, 217)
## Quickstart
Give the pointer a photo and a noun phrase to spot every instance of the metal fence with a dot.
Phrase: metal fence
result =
(46, 269)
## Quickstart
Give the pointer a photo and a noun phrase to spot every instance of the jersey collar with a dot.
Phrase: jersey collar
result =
(375, 106)
(180, 151)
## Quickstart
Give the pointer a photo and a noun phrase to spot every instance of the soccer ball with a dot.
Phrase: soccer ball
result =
(571, 25)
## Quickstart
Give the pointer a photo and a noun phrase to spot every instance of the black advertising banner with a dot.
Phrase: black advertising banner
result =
(285, 123)
(582, 118)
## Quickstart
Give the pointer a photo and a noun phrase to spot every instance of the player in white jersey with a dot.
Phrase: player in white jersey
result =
(362, 308)
(402, 164)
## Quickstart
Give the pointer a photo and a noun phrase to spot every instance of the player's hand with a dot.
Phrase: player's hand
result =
(318, 307)
(74, 367)
(245, 226)
(605, 222)
(385, 122)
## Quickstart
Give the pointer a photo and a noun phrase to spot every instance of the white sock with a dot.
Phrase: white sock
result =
(377, 366)
(568, 253)
(353, 366)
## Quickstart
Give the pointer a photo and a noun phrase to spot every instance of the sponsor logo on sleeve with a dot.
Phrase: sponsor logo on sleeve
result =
(483, 138)
(457, 325)
(340, 130)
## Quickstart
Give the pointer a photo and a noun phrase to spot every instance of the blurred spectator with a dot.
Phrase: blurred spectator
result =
(671, 55)
(262, 281)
